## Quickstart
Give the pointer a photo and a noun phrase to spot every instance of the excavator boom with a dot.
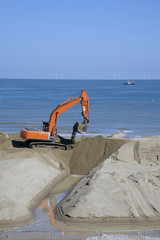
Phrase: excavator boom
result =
(66, 105)
(49, 128)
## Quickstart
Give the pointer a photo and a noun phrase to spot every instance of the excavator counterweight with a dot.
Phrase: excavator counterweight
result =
(48, 136)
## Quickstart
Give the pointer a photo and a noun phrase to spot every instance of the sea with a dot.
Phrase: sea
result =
(113, 107)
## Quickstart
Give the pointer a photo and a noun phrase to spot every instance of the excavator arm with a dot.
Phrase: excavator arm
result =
(51, 125)
(49, 128)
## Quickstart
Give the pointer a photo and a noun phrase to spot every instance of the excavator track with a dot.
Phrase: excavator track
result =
(56, 145)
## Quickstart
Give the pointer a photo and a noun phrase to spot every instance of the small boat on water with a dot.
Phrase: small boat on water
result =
(129, 83)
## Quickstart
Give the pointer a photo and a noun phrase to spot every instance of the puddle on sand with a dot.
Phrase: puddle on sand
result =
(44, 219)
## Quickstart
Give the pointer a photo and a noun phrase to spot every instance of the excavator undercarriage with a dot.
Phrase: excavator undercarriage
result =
(58, 142)
(31, 143)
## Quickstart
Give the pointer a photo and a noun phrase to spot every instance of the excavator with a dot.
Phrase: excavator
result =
(48, 136)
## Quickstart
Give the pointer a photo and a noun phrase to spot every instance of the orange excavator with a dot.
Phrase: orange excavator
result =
(48, 135)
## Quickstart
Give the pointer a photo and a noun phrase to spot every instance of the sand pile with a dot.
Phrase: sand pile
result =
(5, 141)
(20, 188)
(89, 152)
(126, 186)
(26, 176)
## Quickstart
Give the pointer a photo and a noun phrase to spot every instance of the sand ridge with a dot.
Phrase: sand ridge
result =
(89, 152)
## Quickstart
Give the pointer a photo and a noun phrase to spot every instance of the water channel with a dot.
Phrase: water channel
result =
(44, 219)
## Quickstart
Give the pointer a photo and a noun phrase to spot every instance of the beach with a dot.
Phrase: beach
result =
(120, 180)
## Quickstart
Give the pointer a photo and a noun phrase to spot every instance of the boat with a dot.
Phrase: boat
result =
(129, 83)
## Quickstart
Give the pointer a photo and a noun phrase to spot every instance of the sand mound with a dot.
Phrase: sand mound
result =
(3, 138)
(24, 182)
(26, 175)
(89, 152)
(5, 141)
(115, 189)
(125, 187)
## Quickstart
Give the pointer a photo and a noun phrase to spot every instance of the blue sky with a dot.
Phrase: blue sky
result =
(80, 39)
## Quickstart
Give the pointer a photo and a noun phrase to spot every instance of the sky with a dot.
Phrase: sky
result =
(80, 39)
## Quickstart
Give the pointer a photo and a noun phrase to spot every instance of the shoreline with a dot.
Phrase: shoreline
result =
(127, 134)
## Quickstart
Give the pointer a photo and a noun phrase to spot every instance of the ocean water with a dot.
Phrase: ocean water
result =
(114, 107)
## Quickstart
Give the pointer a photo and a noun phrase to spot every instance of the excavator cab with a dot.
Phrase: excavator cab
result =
(45, 126)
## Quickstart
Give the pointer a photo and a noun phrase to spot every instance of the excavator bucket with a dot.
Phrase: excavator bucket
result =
(80, 128)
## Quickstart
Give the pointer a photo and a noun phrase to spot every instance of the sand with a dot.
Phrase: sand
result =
(91, 151)
(124, 188)
(26, 177)
(121, 179)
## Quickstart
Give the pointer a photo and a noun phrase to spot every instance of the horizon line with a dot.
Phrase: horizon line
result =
(82, 79)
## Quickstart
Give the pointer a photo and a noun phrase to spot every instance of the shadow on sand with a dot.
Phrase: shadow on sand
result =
(18, 144)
